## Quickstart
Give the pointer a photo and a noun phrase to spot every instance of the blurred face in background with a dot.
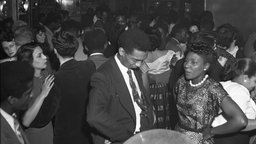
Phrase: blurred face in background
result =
(183, 36)
(250, 83)
(9, 48)
(40, 37)
(121, 20)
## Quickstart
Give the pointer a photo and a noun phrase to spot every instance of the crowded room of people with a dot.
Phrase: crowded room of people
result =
(128, 71)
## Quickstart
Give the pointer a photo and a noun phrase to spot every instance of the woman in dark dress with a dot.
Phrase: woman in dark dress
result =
(42, 84)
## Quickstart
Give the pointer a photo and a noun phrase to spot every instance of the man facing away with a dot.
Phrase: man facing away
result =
(119, 105)
(67, 100)
(16, 89)
(96, 42)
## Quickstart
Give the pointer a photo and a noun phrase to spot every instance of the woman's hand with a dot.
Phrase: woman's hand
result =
(47, 85)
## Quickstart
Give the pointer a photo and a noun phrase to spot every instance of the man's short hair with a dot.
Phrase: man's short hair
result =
(65, 44)
(134, 39)
(15, 77)
(95, 40)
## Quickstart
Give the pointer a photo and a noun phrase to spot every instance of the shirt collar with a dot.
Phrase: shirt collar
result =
(93, 54)
(64, 61)
(120, 65)
(8, 118)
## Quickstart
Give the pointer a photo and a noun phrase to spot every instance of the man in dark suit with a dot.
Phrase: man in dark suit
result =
(96, 42)
(119, 106)
(67, 100)
(16, 88)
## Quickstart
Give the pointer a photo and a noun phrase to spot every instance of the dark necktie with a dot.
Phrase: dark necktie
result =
(139, 100)
(17, 130)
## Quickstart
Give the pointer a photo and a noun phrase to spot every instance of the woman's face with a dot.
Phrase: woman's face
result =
(9, 48)
(39, 59)
(40, 36)
(194, 67)
(250, 83)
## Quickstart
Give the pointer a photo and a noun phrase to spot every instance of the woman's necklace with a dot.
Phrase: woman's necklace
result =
(200, 83)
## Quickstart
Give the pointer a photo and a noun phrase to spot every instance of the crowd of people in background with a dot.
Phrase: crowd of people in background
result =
(110, 76)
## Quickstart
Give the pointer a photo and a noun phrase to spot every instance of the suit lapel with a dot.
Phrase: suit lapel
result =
(122, 90)
(7, 134)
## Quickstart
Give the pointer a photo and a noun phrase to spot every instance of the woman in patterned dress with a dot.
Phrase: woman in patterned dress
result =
(199, 99)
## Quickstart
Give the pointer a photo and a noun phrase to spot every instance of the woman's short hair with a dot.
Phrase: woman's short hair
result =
(25, 52)
(205, 51)
(65, 44)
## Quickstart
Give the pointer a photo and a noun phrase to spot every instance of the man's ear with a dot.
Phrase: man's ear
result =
(121, 51)
(12, 100)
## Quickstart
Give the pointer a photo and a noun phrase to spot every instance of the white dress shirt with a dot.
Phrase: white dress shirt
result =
(137, 109)
(241, 96)
(8, 118)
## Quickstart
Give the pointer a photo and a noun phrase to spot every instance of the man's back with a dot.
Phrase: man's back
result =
(73, 80)
(67, 101)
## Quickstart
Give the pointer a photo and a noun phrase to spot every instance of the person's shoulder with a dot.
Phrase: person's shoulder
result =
(181, 80)
(106, 66)
(233, 86)
(212, 84)
(87, 62)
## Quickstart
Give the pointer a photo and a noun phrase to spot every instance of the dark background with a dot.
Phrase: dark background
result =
(240, 13)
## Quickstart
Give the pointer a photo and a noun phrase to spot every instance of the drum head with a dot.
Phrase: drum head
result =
(159, 136)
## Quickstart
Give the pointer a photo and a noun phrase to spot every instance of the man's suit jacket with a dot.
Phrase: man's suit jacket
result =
(67, 102)
(98, 60)
(8, 136)
(110, 110)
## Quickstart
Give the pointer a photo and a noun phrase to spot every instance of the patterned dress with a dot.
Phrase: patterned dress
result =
(197, 107)
(159, 72)
(159, 95)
